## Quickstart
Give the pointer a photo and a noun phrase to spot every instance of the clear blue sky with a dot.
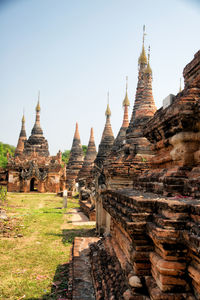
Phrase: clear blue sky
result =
(74, 51)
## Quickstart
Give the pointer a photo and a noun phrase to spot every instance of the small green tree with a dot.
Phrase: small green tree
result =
(3, 195)
(84, 147)
(65, 156)
(4, 148)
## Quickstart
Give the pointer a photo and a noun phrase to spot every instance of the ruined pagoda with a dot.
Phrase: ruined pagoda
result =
(135, 151)
(105, 147)
(86, 180)
(75, 162)
(114, 157)
(107, 140)
(90, 156)
(119, 141)
(150, 248)
(32, 169)
(37, 142)
(22, 138)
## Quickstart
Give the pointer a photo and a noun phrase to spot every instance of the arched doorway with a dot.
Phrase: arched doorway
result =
(33, 185)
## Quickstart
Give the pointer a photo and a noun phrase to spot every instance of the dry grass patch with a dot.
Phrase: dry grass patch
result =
(34, 258)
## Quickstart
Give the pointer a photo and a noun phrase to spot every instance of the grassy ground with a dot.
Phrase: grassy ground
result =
(34, 250)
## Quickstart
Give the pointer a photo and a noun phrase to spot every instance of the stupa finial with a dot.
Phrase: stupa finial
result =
(148, 68)
(38, 104)
(180, 88)
(108, 111)
(126, 101)
(143, 59)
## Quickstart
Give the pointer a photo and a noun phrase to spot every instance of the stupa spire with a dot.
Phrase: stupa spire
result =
(91, 136)
(119, 141)
(76, 134)
(126, 104)
(180, 88)
(108, 111)
(38, 103)
(107, 139)
(143, 58)
(36, 141)
(144, 106)
(107, 129)
(75, 161)
(148, 68)
(37, 130)
(22, 137)
(89, 158)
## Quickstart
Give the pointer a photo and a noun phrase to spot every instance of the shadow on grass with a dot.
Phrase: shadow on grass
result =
(59, 285)
(68, 235)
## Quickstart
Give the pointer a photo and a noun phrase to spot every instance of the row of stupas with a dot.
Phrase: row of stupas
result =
(147, 189)
(115, 154)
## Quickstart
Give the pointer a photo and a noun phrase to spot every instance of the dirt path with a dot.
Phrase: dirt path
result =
(77, 218)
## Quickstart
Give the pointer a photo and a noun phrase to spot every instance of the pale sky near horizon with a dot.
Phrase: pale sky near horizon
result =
(74, 51)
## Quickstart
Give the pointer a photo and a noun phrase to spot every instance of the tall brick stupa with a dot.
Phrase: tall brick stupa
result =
(135, 152)
(107, 139)
(75, 162)
(22, 138)
(89, 158)
(86, 180)
(37, 142)
(119, 141)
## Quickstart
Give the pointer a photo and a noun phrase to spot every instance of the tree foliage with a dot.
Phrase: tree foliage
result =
(3, 195)
(66, 153)
(4, 148)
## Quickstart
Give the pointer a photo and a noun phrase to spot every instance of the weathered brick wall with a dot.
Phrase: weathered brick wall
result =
(153, 229)
(159, 238)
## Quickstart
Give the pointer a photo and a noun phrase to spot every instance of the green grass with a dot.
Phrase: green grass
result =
(35, 255)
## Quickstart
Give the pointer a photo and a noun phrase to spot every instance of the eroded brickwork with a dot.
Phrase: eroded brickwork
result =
(152, 229)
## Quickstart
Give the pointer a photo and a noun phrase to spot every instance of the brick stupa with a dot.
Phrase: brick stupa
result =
(120, 139)
(86, 180)
(90, 156)
(151, 243)
(136, 151)
(75, 162)
(22, 138)
(105, 147)
(37, 142)
(106, 140)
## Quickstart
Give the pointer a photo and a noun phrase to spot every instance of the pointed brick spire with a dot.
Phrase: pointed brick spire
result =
(37, 141)
(76, 134)
(119, 141)
(106, 140)
(22, 137)
(37, 130)
(107, 129)
(89, 158)
(144, 106)
(126, 103)
(75, 160)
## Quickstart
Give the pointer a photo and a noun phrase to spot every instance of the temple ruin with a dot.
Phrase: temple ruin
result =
(150, 221)
(32, 168)
(143, 188)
